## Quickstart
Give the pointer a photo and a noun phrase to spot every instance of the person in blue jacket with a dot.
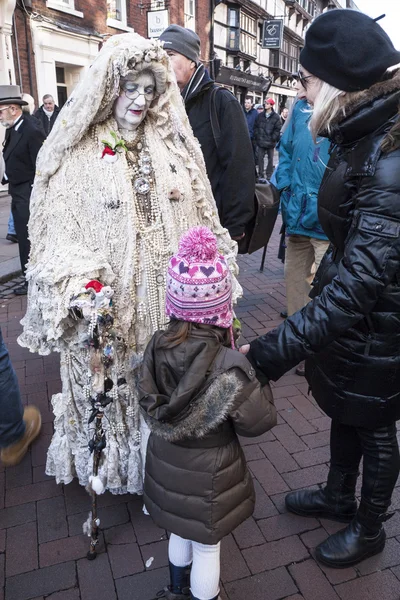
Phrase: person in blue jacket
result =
(251, 115)
(298, 176)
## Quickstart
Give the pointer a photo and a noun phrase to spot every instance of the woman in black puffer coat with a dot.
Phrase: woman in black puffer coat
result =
(350, 332)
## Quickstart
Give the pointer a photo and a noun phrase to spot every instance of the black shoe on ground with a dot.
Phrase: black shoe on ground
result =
(11, 237)
(350, 546)
(283, 314)
(301, 369)
(336, 501)
(21, 291)
(179, 588)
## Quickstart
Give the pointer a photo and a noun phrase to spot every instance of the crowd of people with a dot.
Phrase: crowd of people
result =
(134, 206)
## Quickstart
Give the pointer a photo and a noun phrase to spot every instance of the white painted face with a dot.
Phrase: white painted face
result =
(136, 95)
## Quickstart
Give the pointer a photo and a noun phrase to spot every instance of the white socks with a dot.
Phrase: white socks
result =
(204, 577)
(179, 551)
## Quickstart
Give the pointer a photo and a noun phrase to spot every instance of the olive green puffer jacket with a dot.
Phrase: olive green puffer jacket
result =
(196, 398)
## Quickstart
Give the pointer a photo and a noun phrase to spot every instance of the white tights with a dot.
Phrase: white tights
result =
(204, 576)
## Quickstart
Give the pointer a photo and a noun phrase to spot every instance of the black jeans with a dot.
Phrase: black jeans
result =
(381, 460)
(12, 426)
(270, 166)
(20, 197)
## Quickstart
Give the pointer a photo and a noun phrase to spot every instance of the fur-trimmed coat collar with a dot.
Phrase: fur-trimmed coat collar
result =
(189, 390)
(204, 413)
(368, 110)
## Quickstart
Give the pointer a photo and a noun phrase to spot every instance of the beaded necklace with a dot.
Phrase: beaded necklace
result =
(153, 241)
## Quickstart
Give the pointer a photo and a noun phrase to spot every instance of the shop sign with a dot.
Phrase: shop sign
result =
(272, 34)
(233, 77)
(157, 21)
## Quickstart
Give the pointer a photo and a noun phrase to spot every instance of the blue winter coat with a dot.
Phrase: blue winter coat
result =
(301, 167)
(251, 117)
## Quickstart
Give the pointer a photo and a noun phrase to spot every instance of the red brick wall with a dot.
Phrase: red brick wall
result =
(94, 20)
(24, 60)
(176, 15)
(203, 29)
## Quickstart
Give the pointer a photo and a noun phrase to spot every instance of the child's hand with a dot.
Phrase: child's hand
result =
(244, 349)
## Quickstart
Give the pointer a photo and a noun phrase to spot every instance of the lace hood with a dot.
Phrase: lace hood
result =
(93, 99)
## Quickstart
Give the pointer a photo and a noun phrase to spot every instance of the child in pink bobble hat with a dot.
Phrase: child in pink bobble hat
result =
(197, 394)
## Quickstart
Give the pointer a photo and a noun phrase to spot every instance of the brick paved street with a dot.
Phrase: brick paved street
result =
(269, 557)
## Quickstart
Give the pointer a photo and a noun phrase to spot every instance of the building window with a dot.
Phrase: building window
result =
(116, 11)
(248, 44)
(242, 32)
(308, 5)
(190, 14)
(62, 94)
(234, 30)
(65, 3)
(287, 58)
(67, 6)
(248, 24)
(248, 34)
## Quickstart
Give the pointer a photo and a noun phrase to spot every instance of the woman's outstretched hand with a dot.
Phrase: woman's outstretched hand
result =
(244, 349)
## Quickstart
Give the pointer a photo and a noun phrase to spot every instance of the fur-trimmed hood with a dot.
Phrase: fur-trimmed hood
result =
(189, 390)
(368, 110)
(203, 414)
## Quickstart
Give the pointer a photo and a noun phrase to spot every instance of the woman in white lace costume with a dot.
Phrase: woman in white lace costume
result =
(119, 179)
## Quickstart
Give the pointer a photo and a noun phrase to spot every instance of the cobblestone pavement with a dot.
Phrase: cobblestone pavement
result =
(7, 288)
(269, 557)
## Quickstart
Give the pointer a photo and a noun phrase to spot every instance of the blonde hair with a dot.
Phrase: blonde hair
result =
(327, 107)
(330, 106)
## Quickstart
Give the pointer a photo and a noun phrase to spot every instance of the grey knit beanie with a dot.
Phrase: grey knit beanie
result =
(183, 41)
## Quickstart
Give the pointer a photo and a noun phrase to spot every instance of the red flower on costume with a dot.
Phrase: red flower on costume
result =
(94, 285)
(109, 151)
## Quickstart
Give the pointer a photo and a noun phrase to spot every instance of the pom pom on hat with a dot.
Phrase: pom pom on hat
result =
(198, 244)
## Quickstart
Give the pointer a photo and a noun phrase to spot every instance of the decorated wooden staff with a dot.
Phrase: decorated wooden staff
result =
(94, 303)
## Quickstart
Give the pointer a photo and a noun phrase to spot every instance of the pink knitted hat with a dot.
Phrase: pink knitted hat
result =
(199, 283)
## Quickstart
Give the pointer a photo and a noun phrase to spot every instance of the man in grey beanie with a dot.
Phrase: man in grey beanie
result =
(229, 159)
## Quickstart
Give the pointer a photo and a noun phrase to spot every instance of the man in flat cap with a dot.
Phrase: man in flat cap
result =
(228, 157)
(24, 138)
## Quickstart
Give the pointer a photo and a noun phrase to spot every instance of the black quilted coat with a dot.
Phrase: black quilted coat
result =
(196, 398)
(350, 331)
(267, 130)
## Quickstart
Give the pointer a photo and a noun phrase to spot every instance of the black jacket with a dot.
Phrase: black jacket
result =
(21, 149)
(350, 331)
(44, 119)
(267, 130)
(230, 167)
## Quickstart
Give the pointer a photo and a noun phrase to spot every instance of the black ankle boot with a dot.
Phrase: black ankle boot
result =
(179, 588)
(363, 538)
(336, 501)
